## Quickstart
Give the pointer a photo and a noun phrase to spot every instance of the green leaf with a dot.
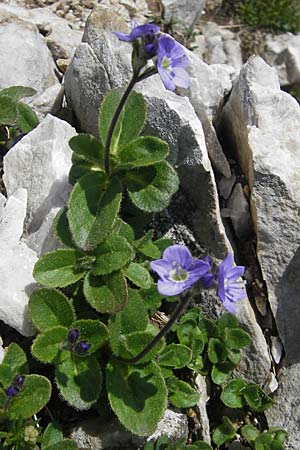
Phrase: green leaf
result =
(17, 92)
(181, 394)
(49, 308)
(112, 255)
(216, 351)
(98, 202)
(8, 111)
(256, 398)
(131, 120)
(221, 372)
(188, 332)
(224, 432)
(93, 331)
(235, 356)
(151, 298)
(138, 275)
(176, 356)
(232, 395)
(145, 246)
(61, 228)
(51, 436)
(151, 188)
(33, 396)
(58, 268)
(135, 342)
(47, 346)
(123, 229)
(250, 433)
(163, 243)
(236, 338)
(263, 441)
(26, 118)
(132, 318)
(14, 363)
(142, 152)
(228, 320)
(88, 148)
(208, 328)
(106, 294)
(137, 394)
(79, 381)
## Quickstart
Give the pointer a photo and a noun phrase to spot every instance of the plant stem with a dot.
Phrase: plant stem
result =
(114, 122)
(177, 313)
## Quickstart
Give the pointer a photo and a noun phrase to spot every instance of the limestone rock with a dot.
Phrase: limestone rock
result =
(237, 209)
(201, 387)
(16, 265)
(173, 424)
(49, 101)
(40, 163)
(185, 12)
(285, 412)
(264, 124)
(24, 57)
(283, 53)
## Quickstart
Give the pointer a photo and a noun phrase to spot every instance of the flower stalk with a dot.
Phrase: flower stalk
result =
(177, 313)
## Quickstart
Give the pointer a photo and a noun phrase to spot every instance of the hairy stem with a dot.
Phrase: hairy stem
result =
(114, 122)
(177, 313)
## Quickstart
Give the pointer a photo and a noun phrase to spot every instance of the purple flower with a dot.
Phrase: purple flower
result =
(178, 270)
(171, 63)
(149, 30)
(208, 279)
(73, 335)
(19, 381)
(231, 288)
(82, 347)
(12, 391)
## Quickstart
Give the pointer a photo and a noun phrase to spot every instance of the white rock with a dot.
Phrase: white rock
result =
(49, 101)
(276, 349)
(16, 265)
(62, 40)
(173, 424)
(283, 53)
(24, 57)
(40, 163)
(264, 125)
(201, 388)
(185, 12)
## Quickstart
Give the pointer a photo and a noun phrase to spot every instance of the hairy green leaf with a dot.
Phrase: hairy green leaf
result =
(47, 346)
(232, 395)
(27, 120)
(181, 394)
(61, 228)
(175, 355)
(142, 152)
(139, 275)
(224, 432)
(106, 294)
(112, 255)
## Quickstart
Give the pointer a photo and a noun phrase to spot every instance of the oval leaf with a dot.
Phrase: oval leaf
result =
(89, 149)
(112, 255)
(151, 188)
(57, 269)
(142, 152)
(33, 396)
(139, 275)
(232, 394)
(98, 203)
(47, 346)
(49, 308)
(181, 394)
(107, 294)
(176, 356)
(79, 381)
(61, 228)
(137, 394)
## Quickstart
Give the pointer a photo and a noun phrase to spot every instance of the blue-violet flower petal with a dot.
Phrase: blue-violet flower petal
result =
(231, 288)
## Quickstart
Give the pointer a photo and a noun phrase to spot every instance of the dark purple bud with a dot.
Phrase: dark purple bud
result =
(73, 335)
(11, 391)
(19, 381)
(82, 347)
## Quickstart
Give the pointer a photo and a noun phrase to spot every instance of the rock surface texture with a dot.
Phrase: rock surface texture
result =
(264, 125)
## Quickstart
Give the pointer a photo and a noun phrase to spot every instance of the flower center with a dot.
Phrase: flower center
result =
(178, 274)
(166, 63)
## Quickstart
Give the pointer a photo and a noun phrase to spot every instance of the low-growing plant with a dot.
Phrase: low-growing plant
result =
(94, 312)
(273, 15)
(16, 118)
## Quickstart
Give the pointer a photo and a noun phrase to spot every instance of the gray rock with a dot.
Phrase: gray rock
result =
(62, 40)
(24, 57)
(185, 12)
(237, 208)
(218, 45)
(173, 424)
(225, 186)
(104, 435)
(16, 265)
(285, 412)
(40, 163)
(201, 387)
(282, 52)
(264, 124)
(49, 101)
